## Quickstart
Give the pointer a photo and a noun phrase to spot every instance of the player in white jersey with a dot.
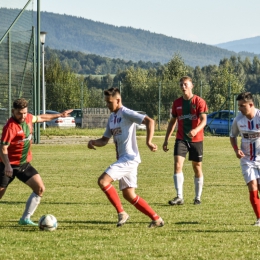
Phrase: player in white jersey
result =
(122, 126)
(247, 123)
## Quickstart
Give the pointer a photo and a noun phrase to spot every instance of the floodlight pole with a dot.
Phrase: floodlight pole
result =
(42, 36)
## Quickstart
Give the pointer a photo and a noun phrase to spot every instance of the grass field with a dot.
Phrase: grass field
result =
(219, 228)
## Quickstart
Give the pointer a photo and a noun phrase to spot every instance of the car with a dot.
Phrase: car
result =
(60, 122)
(217, 122)
(140, 126)
(77, 114)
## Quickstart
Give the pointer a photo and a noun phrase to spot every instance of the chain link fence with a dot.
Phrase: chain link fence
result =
(16, 55)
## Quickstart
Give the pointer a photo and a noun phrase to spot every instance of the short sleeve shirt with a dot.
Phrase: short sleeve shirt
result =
(122, 127)
(188, 114)
(18, 137)
(250, 137)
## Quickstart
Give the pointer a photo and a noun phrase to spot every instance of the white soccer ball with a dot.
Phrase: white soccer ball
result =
(48, 222)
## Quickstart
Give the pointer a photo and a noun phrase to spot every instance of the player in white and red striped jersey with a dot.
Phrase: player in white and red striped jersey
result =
(247, 124)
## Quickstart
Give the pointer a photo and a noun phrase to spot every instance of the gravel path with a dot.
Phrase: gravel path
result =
(67, 139)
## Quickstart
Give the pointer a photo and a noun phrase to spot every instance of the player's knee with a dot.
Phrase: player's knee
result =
(101, 182)
(40, 190)
(2, 192)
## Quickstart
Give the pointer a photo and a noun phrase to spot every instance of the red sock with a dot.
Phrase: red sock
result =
(113, 197)
(255, 202)
(143, 206)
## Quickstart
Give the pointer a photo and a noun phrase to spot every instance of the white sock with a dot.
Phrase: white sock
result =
(31, 205)
(198, 182)
(178, 183)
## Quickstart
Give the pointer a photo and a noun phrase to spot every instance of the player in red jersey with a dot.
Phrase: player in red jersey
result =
(189, 111)
(15, 153)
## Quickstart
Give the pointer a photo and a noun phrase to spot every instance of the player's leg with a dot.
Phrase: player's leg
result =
(196, 155)
(140, 204)
(180, 151)
(104, 182)
(250, 176)
(4, 180)
(32, 178)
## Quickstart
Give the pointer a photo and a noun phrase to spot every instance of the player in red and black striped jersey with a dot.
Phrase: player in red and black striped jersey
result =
(15, 153)
(189, 111)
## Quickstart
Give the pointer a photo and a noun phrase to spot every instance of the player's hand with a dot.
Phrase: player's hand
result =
(165, 146)
(91, 145)
(240, 154)
(66, 113)
(152, 147)
(192, 133)
(8, 171)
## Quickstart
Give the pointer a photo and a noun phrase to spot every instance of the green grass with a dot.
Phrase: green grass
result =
(219, 228)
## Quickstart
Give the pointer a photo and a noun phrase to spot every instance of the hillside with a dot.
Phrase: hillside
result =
(248, 45)
(79, 34)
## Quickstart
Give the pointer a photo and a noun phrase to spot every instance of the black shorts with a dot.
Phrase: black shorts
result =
(23, 172)
(195, 150)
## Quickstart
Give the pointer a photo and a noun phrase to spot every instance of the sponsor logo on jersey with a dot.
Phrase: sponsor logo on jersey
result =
(189, 116)
(116, 131)
(20, 132)
(194, 106)
(242, 126)
(251, 136)
(178, 107)
(29, 138)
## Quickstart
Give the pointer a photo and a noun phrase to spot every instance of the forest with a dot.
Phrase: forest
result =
(153, 89)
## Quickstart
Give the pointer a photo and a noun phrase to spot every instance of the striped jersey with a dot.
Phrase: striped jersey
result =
(250, 137)
(188, 114)
(18, 137)
(122, 127)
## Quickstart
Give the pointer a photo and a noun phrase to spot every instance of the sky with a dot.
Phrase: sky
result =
(203, 21)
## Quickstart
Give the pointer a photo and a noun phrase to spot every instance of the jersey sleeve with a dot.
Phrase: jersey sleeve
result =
(133, 116)
(7, 135)
(234, 132)
(107, 132)
(203, 108)
(35, 119)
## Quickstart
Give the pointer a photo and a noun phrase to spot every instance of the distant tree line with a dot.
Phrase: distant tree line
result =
(146, 89)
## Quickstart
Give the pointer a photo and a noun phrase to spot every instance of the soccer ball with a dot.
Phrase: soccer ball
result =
(48, 222)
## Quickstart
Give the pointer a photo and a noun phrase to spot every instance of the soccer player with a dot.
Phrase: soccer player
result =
(15, 153)
(247, 123)
(122, 126)
(189, 111)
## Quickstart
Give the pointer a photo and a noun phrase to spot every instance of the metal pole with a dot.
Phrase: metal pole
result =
(9, 75)
(38, 68)
(43, 88)
(201, 88)
(229, 104)
(159, 109)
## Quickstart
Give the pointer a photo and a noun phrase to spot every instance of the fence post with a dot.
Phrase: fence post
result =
(159, 107)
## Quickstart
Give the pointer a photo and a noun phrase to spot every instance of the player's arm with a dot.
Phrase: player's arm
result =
(5, 160)
(239, 152)
(233, 139)
(49, 117)
(149, 122)
(98, 142)
(200, 126)
(169, 131)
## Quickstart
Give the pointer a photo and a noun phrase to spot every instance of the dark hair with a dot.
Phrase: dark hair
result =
(245, 96)
(20, 103)
(185, 78)
(112, 92)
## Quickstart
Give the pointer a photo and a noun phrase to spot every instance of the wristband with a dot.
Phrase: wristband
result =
(235, 147)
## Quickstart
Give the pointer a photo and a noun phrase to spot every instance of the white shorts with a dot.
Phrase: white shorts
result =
(125, 172)
(250, 173)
